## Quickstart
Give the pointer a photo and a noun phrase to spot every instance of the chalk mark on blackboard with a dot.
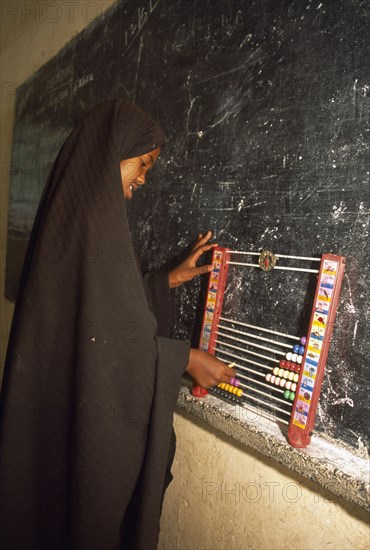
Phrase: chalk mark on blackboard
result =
(137, 66)
(235, 69)
(135, 28)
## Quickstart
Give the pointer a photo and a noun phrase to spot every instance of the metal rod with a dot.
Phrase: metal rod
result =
(268, 404)
(247, 351)
(284, 268)
(308, 258)
(243, 359)
(266, 394)
(289, 346)
(270, 386)
(253, 344)
(259, 328)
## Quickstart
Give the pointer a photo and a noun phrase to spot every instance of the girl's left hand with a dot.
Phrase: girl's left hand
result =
(188, 269)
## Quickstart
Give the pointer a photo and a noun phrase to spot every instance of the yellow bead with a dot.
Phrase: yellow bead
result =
(239, 393)
(227, 387)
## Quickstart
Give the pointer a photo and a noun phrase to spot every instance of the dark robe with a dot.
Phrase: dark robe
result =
(91, 379)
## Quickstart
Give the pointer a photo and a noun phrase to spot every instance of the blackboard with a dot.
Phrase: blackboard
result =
(267, 108)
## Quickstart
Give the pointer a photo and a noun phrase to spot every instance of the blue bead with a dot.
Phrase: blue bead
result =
(296, 348)
(301, 350)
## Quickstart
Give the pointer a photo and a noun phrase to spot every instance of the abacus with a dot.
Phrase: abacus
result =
(278, 374)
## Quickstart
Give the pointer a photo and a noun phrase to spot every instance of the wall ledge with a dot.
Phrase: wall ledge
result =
(333, 467)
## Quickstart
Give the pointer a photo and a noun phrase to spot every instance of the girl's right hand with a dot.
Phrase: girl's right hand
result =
(206, 370)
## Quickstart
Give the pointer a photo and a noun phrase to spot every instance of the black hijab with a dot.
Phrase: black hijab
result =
(89, 387)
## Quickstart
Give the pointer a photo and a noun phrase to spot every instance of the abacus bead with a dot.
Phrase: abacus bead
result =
(282, 383)
(299, 359)
(296, 376)
(298, 369)
(288, 365)
(296, 348)
(294, 357)
(237, 382)
(282, 364)
(232, 380)
(291, 375)
(281, 372)
(277, 381)
(227, 387)
(272, 379)
(303, 340)
(276, 370)
(239, 393)
(288, 385)
(293, 387)
(301, 350)
(286, 374)
(268, 376)
(292, 396)
(289, 355)
(222, 385)
(286, 394)
(235, 390)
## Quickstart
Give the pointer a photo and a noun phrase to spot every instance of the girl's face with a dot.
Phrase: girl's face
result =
(133, 171)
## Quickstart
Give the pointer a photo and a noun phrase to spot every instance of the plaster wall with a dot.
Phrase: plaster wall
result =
(227, 496)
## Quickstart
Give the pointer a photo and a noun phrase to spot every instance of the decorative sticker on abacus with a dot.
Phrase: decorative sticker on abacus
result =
(311, 371)
(308, 383)
(300, 420)
(310, 367)
(330, 267)
(305, 395)
(314, 344)
(322, 306)
(325, 293)
(209, 317)
(302, 407)
(319, 319)
(301, 413)
(318, 333)
(327, 282)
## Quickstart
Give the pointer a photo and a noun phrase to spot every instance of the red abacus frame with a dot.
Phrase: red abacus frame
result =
(308, 387)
